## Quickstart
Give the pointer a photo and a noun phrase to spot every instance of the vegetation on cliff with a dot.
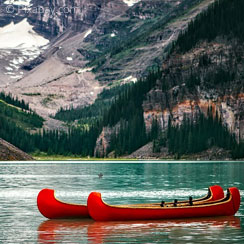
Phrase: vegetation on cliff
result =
(196, 137)
(127, 112)
(15, 122)
(221, 75)
(223, 18)
(15, 126)
(91, 113)
(8, 98)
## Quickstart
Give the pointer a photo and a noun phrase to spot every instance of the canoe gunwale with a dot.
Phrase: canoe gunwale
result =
(207, 198)
(225, 199)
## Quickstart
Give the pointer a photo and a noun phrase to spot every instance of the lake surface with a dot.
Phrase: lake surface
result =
(21, 222)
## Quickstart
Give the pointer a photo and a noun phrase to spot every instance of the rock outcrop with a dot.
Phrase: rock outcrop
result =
(8, 152)
(54, 17)
(182, 99)
(104, 140)
(206, 79)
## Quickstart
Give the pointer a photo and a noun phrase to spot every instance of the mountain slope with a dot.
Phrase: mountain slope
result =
(118, 39)
(10, 152)
(18, 122)
(202, 77)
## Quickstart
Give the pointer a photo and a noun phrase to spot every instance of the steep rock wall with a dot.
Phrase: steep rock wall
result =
(183, 99)
(53, 17)
(230, 110)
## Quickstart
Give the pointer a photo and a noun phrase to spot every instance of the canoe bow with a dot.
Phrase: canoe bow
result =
(53, 208)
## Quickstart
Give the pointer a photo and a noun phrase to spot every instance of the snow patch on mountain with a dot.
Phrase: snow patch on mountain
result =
(131, 2)
(88, 33)
(20, 35)
(26, 3)
(19, 43)
(130, 79)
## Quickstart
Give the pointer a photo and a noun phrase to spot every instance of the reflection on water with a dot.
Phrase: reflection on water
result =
(21, 222)
(154, 231)
(61, 231)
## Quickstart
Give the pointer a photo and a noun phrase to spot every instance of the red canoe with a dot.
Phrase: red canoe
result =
(100, 211)
(52, 208)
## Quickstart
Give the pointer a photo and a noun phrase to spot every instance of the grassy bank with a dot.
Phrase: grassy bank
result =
(45, 157)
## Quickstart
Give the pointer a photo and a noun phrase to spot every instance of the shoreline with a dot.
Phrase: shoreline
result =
(59, 158)
(119, 161)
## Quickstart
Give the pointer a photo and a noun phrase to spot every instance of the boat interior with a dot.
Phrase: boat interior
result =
(175, 203)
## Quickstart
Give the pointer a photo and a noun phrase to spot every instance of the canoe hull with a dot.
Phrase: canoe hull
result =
(52, 208)
(101, 211)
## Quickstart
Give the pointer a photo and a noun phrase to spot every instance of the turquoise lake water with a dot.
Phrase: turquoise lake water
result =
(21, 222)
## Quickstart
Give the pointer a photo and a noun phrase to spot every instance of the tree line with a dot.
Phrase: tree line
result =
(74, 142)
(22, 118)
(222, 18)
(196, 136)
(16, 125)
(127, 113)
(93, 111)
(193, 137)
(10, 99)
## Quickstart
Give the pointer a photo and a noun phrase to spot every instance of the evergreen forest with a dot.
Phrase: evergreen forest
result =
(223, 18)
(121, 107)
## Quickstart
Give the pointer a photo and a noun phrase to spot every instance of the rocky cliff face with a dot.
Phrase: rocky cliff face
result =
(104, 141)
(54, 17)
(208, 78)
(225, 97)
